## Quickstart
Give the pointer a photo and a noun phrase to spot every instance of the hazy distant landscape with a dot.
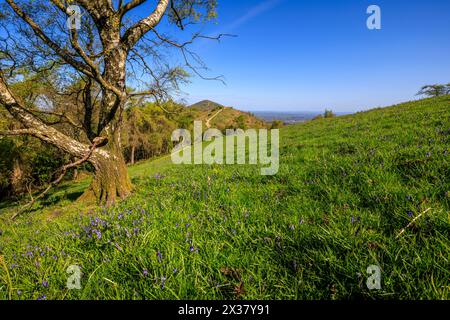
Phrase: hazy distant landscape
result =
(288, 117)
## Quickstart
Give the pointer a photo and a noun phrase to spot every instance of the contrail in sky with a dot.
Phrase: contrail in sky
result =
(253, 13)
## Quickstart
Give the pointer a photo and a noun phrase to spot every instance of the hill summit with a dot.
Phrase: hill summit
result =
(206, 105)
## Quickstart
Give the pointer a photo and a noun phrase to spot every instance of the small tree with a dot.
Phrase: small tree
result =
(277, 124)
(435, 90)
(329, 114)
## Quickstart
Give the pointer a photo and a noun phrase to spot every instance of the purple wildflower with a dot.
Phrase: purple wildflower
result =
(355, 220)
(410, 214)
(97, 233)
(44, 297)
(45, 284)
(175, 270)
(136, 231)
(145, 272)
(159, 255)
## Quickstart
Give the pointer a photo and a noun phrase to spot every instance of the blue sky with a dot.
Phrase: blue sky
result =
(294, 55)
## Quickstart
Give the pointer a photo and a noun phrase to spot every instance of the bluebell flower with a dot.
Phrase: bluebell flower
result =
(98, 234)
(45, 284)
(410, 214)
(159, 255)
(44, 297)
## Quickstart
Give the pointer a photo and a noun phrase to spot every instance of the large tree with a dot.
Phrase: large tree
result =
(93, 65)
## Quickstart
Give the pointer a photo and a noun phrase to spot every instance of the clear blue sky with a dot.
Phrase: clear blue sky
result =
(307, 55)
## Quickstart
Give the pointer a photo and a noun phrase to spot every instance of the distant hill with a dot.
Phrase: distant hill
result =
(223, 118)
(206, 105)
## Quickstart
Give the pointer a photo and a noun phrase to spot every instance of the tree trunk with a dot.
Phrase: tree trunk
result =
(17, 181)
(111, 181)
(133, 150)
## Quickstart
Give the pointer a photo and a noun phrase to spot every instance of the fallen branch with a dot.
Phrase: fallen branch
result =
(97, 142)
(411, 223)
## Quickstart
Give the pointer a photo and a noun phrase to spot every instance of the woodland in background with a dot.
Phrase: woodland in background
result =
(27, 164)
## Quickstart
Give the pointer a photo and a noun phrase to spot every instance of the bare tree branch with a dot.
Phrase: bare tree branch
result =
(137, 31)
(64, 54)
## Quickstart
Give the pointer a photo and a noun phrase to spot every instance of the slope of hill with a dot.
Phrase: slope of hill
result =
(222, 118)
(355, 191)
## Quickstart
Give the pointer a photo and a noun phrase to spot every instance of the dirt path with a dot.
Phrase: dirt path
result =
(208, 122)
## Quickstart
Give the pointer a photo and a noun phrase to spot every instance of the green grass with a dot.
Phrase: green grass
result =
(345, 189)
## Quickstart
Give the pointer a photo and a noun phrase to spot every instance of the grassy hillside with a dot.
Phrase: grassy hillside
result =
(345, 190)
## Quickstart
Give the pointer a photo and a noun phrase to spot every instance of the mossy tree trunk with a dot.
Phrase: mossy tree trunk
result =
(111, 181)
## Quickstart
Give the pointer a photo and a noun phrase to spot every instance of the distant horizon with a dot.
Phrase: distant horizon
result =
(305, 110)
